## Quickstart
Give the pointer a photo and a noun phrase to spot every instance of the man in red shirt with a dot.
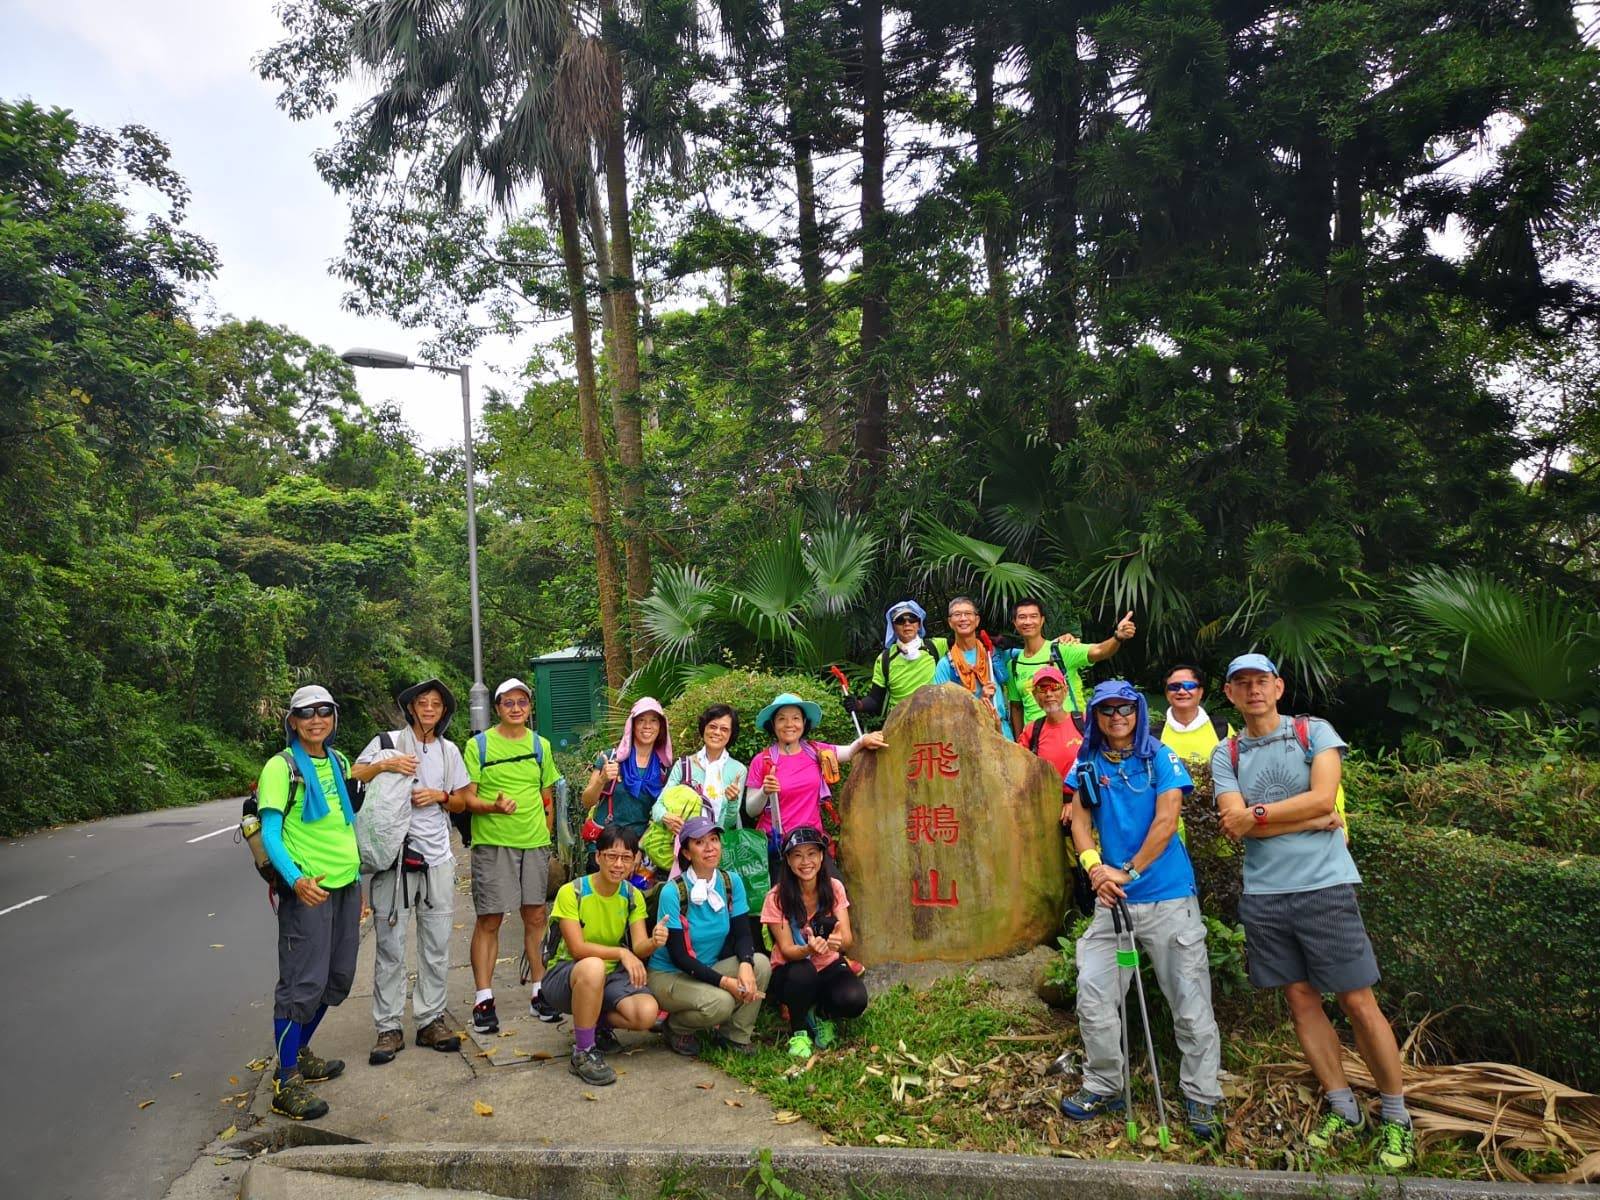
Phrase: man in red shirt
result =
(1054, 737)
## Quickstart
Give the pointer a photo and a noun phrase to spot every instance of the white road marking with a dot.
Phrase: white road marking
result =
(212, 834)
(24, 904)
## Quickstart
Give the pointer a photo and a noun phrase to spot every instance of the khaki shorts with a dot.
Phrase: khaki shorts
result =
(505, 879)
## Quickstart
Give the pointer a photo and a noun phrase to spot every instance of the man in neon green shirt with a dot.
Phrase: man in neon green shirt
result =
(1068, 655)
(513, 774)
(907, 663)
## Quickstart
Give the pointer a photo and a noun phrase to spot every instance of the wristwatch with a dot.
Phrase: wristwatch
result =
(1260, 814)
(1133, 871)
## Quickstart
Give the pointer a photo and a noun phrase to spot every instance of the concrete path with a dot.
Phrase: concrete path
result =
(135, 949)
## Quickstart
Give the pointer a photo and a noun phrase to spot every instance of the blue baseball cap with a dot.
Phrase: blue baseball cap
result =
(1251, 662)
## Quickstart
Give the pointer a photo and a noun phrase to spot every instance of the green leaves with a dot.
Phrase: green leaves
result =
(982, 566)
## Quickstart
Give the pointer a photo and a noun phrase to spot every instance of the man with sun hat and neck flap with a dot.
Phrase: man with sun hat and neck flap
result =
(906, 664)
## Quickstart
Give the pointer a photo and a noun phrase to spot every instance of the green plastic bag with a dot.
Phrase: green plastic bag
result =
(744, 852)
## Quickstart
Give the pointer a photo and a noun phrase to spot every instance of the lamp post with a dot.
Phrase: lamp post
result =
(388, 360)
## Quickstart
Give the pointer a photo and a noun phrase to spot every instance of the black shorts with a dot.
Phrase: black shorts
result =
(1311, 937)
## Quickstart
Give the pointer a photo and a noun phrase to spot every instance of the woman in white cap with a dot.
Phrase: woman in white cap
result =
(308, 829)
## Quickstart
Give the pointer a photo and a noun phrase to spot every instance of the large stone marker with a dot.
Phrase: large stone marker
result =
(952, 847)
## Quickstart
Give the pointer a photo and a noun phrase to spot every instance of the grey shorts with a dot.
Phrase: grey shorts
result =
(505, 880)
(1311, 937)
(316, 951)
(557, 988)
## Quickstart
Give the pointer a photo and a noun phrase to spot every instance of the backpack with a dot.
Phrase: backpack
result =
(481, 741)
(683, 907)
(583, 889)
(1302, 734)
(891, 652)
(1035, 731)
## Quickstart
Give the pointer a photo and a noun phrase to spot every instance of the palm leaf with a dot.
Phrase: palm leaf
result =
(675, 613)
(981, 564)
(1531, 646)
(772, 597)
(840, 556)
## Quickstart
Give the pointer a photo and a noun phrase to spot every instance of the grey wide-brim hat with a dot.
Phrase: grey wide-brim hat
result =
(405, 696)
(312, 693)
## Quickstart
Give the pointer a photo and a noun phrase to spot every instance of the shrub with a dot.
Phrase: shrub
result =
(1495, 939)
(748, 692)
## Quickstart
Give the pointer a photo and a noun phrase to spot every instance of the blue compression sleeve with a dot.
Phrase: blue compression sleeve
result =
(286, 1039)
(277, 852)
(310, 1027)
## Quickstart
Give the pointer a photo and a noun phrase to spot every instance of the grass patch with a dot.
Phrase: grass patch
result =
(952, 1067)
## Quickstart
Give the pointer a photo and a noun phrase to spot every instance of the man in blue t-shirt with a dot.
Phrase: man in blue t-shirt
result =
(1275, 786)
(1131, 790)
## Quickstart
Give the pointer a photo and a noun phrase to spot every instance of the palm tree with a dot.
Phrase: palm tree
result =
(519, 94)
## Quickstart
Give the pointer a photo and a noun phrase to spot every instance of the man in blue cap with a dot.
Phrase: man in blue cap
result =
(906, 664)
(1276, 785)
(1130, 790)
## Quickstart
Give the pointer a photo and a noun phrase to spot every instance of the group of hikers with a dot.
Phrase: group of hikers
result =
(711, 883)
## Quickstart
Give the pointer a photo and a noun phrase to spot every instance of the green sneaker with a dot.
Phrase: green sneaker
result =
(800, 1044)
(1334, 1127)
(316, 1069)
(827, 1033)
(1399, 1149)
(293, 1099)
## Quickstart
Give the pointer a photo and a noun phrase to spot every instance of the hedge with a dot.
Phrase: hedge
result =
(748, 692)
(1500, 942)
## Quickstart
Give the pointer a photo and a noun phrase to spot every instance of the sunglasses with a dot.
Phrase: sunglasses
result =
(906, 619)
(314, 710)
(1183, 685)
(1125, 709)
(1048, 685)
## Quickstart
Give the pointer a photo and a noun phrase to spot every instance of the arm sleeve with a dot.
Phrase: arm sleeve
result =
(743, 945)
(678, 951)
(277, 852)
(871, 701)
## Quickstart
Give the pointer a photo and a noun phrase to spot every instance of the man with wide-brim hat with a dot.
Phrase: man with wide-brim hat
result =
(308, 829)
(414, 776)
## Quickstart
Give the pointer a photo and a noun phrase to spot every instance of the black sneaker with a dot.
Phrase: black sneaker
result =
(605, 1040)
(588, 1066)
(538, 1008)
(484, 1019)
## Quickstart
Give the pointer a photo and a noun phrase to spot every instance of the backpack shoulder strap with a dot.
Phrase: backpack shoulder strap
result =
(888, 653)
(1219, 727)
(481, 741)
(538, 750)
(1302, 734)
(296, 782)
(727, 886)
(683, 901)
(1233, 754)
(385, 741)
(1035, 732)
(627, 893)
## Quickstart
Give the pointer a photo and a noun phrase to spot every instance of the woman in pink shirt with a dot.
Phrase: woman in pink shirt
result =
(810, 918)
(789, 780)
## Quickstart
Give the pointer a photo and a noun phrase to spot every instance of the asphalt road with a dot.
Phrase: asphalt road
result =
(132, 949)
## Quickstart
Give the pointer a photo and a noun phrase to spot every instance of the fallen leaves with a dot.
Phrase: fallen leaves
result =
(482, 1109)
(228, 1133)
(176, 1075)
(784, 1117)
(143, 1104)
(734, 1103)
(705, 1087)
(216, 945)
(256, 1064)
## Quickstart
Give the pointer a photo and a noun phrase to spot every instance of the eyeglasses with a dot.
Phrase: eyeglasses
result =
(514, 702)
(1125, 709)
(962, 612)
(314, 710)
(1183, 685)
(615, 856)
(907, 619)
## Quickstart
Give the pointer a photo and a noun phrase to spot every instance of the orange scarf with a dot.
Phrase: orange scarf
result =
(973, 676)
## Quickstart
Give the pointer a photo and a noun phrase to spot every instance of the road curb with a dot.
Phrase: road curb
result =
(603, 1173)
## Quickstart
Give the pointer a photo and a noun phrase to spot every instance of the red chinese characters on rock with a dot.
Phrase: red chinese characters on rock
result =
(933, 760)
(933, 824)
(931, 898)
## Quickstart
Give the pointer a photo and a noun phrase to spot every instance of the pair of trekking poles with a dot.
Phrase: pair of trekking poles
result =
(1122, 921)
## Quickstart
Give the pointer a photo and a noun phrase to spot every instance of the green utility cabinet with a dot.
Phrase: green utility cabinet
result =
(569, 694)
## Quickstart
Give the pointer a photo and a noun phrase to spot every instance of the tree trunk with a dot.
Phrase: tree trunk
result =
(594, 445)
(872, 434)
(1347, 306)
(983, 59)
(812, 367)
(625, 352)
(1062, 94)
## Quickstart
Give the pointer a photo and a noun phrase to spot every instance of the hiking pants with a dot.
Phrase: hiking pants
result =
(1172, 936)
(316, 952)
(412, 897)
(834, 991)
(694, 1005)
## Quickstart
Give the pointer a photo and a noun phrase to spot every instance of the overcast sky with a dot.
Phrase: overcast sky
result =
(182, 68)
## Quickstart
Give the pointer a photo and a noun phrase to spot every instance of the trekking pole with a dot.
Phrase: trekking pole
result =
(1125, 958)
(1163, 1135)
(844, 686)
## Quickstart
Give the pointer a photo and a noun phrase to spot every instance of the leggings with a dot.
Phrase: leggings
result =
(834, 991)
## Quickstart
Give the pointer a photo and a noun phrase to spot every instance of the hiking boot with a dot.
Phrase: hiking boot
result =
(1087, 1105)
(826, 1032)
(438, 1036)
(538, 1008)
(1399, 1146)
(1334, 1127)
(315, 1069)
(484, 1019)
(293, 1099)
(800, 1044)
(1203, 1121)
(605, 1040)
(589, 1066)
(722, 1042)
(390, 1042)
(685, 1044)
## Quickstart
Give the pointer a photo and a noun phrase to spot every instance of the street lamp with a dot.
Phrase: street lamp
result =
(388, 360)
